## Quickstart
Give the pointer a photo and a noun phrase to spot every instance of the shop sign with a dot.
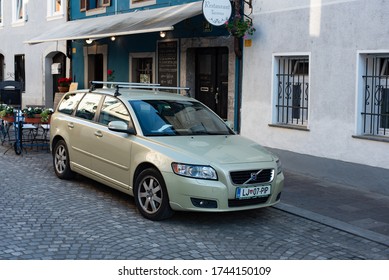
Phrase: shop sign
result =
(217, 12)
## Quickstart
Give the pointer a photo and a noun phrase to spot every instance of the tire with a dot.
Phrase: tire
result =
(151, 197)
(61, 161)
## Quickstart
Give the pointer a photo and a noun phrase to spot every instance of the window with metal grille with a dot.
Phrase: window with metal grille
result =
(292, 88)
(375, 97)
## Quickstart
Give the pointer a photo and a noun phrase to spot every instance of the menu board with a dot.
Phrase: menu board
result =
(167, 63)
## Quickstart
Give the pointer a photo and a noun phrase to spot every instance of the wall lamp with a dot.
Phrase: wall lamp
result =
(89, 41)
(162, 34)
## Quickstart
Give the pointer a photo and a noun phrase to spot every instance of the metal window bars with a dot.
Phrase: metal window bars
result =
(375, 107)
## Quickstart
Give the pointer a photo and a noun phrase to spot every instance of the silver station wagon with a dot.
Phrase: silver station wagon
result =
(169, 151)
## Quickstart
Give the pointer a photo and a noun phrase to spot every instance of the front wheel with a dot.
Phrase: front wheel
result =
(151, 196)
(61, 161)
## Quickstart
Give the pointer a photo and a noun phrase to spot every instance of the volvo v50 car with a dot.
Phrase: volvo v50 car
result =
(169, 151)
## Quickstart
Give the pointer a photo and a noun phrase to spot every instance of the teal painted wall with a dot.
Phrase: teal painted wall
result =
(118, 51)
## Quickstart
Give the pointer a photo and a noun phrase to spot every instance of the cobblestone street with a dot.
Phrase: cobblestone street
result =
(43, 217)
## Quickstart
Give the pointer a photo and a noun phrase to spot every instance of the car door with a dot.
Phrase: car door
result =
(81, 131)
(112, 150)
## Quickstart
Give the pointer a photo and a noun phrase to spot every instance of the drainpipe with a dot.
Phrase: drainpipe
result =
(238, 75)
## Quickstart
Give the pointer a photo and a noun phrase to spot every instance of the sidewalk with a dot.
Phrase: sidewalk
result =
(329, 200)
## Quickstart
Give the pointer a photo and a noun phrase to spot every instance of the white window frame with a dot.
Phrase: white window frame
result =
(1, 13)
(141, 3)
(51, 11)
(16, 6)
(361, 129)
(305, 90)
(142, 55)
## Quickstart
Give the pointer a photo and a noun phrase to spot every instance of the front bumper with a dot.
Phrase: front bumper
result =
(188, 194)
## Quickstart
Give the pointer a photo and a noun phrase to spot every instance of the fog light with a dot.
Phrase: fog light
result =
(203, 203)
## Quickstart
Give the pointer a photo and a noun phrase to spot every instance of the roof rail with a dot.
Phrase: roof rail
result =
(118, 85)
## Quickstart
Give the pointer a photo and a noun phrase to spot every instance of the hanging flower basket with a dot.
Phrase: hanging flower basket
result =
(240, 27)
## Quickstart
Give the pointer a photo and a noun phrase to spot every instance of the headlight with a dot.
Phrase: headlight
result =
(279, 166)
(194, 171)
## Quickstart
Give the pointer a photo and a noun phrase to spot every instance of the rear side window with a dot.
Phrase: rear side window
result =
(88, 106)
(69, 103)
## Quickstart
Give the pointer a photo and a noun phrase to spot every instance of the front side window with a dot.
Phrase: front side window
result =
(113, 110)
(291, 90)
(374, 100)
(169, 118)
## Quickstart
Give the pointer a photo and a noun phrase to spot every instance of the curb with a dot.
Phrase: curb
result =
(372, 236)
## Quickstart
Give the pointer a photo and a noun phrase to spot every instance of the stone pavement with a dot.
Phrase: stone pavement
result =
(43, 217)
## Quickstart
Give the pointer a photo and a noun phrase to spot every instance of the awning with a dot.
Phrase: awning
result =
(144, 21)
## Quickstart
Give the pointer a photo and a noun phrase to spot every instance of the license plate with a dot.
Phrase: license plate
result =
(251, 192)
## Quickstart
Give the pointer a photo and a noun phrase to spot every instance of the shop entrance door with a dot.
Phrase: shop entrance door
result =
(212, 79)
(95, 68)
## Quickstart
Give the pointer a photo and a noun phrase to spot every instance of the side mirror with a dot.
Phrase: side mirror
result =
(120, 126)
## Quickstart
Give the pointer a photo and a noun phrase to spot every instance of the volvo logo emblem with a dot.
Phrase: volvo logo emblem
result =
(253, 176)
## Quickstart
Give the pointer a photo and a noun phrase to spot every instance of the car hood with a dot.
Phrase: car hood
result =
(222, 149)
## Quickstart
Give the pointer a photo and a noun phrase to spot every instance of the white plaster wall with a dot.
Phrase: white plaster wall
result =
(12, 40)
(332, 33)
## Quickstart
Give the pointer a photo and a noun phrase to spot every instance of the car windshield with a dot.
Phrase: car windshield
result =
(174, 117)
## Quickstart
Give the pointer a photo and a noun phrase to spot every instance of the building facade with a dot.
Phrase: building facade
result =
(153, 42)
(313, 78)
(316, 79)
(32, 64)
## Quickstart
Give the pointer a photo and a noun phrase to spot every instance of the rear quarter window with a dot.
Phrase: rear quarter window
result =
(69, 103)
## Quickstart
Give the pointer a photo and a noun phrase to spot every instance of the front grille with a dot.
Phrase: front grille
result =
(240, 177)
(247, 202)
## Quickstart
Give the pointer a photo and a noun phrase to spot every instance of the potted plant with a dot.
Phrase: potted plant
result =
(7, 113)
(32, 114)
(240, 27)
(110, 75)
(46, 114)
(63, 84)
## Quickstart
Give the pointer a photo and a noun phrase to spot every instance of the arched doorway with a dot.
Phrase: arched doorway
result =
(58, 70)
(55, 67)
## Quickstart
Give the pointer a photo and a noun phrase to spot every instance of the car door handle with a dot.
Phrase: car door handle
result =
(70, 125)
(98, 133)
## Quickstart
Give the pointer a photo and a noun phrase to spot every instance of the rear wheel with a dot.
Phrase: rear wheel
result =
(151, 196)
(61, 161)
